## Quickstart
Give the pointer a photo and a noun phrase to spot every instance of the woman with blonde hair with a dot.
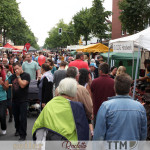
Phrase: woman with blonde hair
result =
(121, 70)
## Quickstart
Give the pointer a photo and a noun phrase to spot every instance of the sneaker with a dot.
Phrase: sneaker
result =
(3, 132)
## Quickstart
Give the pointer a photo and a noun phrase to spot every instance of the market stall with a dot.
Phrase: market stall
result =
(123, 59)
(13, 49)
(93, 48)
(127, 44)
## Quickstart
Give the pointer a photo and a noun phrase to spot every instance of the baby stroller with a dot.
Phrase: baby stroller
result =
(34, 102)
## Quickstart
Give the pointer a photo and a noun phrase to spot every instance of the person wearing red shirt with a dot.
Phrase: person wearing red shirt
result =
(79, 62)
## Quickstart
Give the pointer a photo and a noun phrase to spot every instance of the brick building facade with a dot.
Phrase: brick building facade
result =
(116, 24)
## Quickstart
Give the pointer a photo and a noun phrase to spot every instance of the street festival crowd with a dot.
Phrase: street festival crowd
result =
(78, 98)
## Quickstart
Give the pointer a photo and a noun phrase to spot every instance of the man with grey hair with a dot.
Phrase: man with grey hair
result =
(82, 95)
(121, 118)
(62, 119)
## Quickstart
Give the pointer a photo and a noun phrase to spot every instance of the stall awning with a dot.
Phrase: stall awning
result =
(93, 48)
(120, 56)
(10, 46)
(140, 39)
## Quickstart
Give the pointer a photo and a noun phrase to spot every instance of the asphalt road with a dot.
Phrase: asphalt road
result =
(11, 129)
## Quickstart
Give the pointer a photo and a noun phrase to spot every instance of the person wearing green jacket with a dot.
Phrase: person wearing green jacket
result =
(61, 118)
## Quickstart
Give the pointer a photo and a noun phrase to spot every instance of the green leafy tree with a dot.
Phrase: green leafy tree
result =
(13, 26)
(134, 14)
(73, 37)
(18, 32)
(9, 13)
(98, 23)
(82, 24)
(56, 40)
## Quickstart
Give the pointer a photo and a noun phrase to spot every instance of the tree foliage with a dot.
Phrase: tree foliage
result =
(87, 22)
(99, 16)
(134, 14)
(67, 37)
(82, 24)
(13, 26)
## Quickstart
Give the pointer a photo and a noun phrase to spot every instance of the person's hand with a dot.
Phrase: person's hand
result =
(92, 133)
(39, 78)
(10, 85)
(17, 72)
(1, 81)
(43, 105)
(92, 116)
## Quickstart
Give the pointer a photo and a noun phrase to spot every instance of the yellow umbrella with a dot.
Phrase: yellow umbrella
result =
(93, 48)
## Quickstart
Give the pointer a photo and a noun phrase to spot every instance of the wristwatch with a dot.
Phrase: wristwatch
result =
(18, 76)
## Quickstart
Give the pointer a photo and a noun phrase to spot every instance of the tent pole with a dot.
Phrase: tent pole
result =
(137, 64)
(108, 56)
(133, 65)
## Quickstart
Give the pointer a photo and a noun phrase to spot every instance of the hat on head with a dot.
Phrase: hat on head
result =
(92, 61)
(93, 64)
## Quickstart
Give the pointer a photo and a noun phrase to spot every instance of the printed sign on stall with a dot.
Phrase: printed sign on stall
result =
(123, 47)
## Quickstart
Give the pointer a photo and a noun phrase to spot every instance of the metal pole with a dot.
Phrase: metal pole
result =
(133, 66)
(108, 56)
(137, 64)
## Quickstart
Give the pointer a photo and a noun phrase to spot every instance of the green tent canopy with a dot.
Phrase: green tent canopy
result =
(125, 59)
(120, 56)
(75, 52)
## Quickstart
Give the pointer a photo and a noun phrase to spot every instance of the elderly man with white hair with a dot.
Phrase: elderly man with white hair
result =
(61, 118)
(82, 95)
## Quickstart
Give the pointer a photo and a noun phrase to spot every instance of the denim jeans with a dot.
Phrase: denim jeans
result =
(3, 106)
(20, 117)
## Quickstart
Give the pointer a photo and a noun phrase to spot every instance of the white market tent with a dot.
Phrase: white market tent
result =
(142, 40)
(75, 47)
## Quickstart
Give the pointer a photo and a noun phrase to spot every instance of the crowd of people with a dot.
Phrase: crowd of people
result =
(79, 99)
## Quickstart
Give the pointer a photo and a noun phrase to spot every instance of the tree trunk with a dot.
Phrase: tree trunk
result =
(86, 42)
(86, 39)
(100, 40)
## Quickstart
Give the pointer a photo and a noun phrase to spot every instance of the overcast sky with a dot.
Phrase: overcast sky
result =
(42, 15)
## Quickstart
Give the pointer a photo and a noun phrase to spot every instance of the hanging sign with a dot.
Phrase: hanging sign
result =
(26, 48)
(123, 47)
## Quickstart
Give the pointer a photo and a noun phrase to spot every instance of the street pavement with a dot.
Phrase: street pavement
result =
(11, 129)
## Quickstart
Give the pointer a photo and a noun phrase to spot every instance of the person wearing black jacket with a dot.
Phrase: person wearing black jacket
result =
(45, 85)
(20, 84)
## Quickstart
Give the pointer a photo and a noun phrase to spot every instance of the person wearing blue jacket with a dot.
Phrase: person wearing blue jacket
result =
(121, 117)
